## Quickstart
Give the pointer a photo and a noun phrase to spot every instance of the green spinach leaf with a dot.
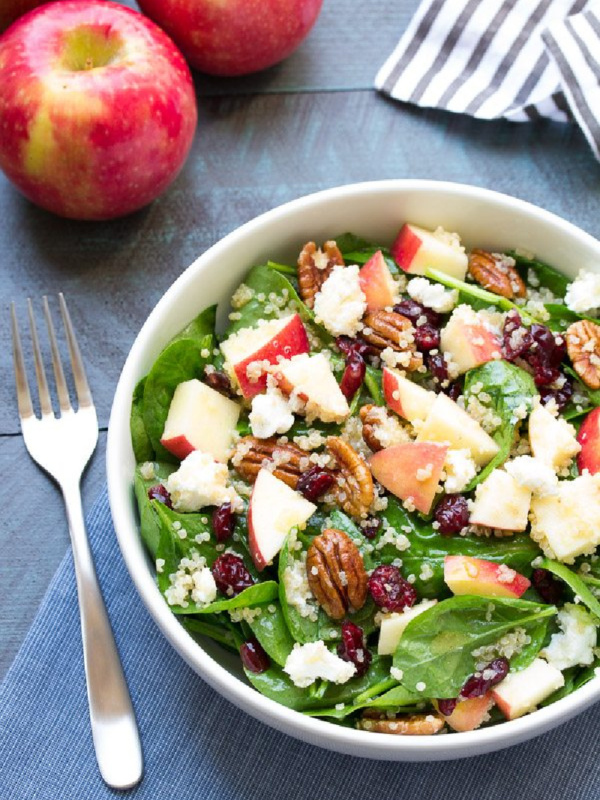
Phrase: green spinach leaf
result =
(575, 582)
(149, 521)
(437, 646)
(142, 446)
(272, 632)
(547, 276)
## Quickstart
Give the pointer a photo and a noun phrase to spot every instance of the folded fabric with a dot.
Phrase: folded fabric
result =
(197, 745)
(513, 59)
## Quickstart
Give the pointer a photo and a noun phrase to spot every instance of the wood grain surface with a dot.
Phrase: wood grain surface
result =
(308, 124)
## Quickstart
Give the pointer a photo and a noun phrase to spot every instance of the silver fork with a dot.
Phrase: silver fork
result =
(62, 446)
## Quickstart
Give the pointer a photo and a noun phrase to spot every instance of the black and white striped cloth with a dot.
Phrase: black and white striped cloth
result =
(516, 59)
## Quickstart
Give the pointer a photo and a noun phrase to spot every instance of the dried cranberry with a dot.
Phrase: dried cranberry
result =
(454, 390)
(552, 348)
(543, 373)
(371, 528)
(390, 590)
(353, 647)
(415, 311)
(231, 575)
(254, 657)
(436, 364)
(452, 514)
(349, 346)
(480, 683)
(516, 339)
(314, 482)
(560, 394)
(447, 706)
(159, 493)
(353, 376)
(223, 520)
(427, 337)
(220, 382)
(549, 588)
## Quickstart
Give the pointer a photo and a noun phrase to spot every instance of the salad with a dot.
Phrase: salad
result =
(380, 485)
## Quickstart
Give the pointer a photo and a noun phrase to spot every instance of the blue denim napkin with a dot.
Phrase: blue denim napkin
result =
(197, 745)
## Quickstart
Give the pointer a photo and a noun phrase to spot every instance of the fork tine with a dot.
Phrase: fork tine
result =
(84, 396)
(23, 394)
(61, 384)
(40, 372)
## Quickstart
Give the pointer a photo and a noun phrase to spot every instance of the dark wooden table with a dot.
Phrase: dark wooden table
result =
(310, 123)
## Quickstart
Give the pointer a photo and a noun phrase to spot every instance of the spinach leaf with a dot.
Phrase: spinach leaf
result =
(149, 522)
(577, 585)
(215, 627)
(592, 394)
(142, 446)
(548, 276)
(180, 361)
(428, 549)
(272, 632)
(255, 595)
(277, 685)
(350, 242)
(395, 698)
(511, 390)
(473, 294)
(437, 646)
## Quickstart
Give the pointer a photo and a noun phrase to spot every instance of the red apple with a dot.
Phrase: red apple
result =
(501, 503)
(249, 351)
(468, 341)
(313, 382)
(377, 283)
(200, 418)
(468, 575)
(273, 511)
(469, 714)
(411, 471)
(520, 692)
(97, 109)
(10, 10)
(234, 37)
(415, 249)
(405, 397)
(589, 439)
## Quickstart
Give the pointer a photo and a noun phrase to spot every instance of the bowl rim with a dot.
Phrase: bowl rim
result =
(294, 723)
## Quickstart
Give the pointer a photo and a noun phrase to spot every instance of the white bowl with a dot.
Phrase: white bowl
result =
(375, 211)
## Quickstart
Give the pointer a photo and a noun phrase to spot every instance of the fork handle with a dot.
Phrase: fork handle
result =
(114, 728)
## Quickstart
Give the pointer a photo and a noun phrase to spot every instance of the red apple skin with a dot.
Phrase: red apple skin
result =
(589, 439)
(92, 143)
(291, 341)
(179, 446)
(405, 247)
(469, 714)
(376, 282)
(483, 581)
(396, 467)
(234, 37)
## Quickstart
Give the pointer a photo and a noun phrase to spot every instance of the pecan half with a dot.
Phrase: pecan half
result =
(385, 329)
(353, 489)
(336, 573)
(583, 347)
(496, 273)
(402, 724)
(251, 454)
(314, 267)
(379, 429)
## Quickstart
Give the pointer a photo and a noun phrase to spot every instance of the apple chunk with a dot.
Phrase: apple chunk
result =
(411, 471)
(273, 511)
(468, 575)
(589, 439)
(469, 714)
(415, 249)
(377, 283)
(405, 397)
(500, 502)
(393, 626)
(449, 424)
(309, 379)
(521, 692)
(250, 351)
(552, 439)
(200, 418)
(468, 340)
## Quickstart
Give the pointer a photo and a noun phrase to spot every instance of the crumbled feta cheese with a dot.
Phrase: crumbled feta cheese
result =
(584, 293)
(460, 470)
(574, 644)
(200, 481)
(341, 303)
(308, 662)
(533, 474)
(270, 414)
(432, 295)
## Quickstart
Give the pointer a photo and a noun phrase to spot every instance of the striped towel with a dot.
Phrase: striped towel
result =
(516, 59)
